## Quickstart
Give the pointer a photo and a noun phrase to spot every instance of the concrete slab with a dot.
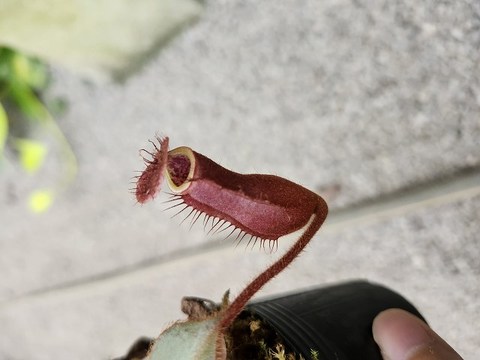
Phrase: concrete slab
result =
(430, 255)
(332, 95)
(354, 102)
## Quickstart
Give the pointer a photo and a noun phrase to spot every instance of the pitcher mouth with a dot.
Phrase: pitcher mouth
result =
(180, 168)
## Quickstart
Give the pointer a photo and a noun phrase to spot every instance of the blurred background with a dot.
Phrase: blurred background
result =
(372, 104)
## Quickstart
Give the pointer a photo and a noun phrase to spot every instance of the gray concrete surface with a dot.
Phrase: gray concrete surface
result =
(367, 103)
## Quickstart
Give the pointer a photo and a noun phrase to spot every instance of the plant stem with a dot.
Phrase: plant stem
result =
(240, 301)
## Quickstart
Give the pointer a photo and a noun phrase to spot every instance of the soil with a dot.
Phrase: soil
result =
(251, 338)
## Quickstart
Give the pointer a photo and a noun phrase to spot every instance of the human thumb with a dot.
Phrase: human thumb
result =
(402, 336)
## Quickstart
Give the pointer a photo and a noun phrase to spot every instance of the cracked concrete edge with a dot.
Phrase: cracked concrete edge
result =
(462, 185)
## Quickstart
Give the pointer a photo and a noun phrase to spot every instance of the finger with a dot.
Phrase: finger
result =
(402, 336)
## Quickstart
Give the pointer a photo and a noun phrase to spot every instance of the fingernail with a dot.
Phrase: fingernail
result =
(399, 333)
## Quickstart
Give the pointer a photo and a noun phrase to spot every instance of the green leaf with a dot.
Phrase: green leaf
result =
(40, 200)
(5, 64)
(21, 67)
(4, 71)
(29, 71)
(3, 128)
(32, 154)
(28, 103)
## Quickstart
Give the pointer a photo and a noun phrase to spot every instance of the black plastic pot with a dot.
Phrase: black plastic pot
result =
(335, 321)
